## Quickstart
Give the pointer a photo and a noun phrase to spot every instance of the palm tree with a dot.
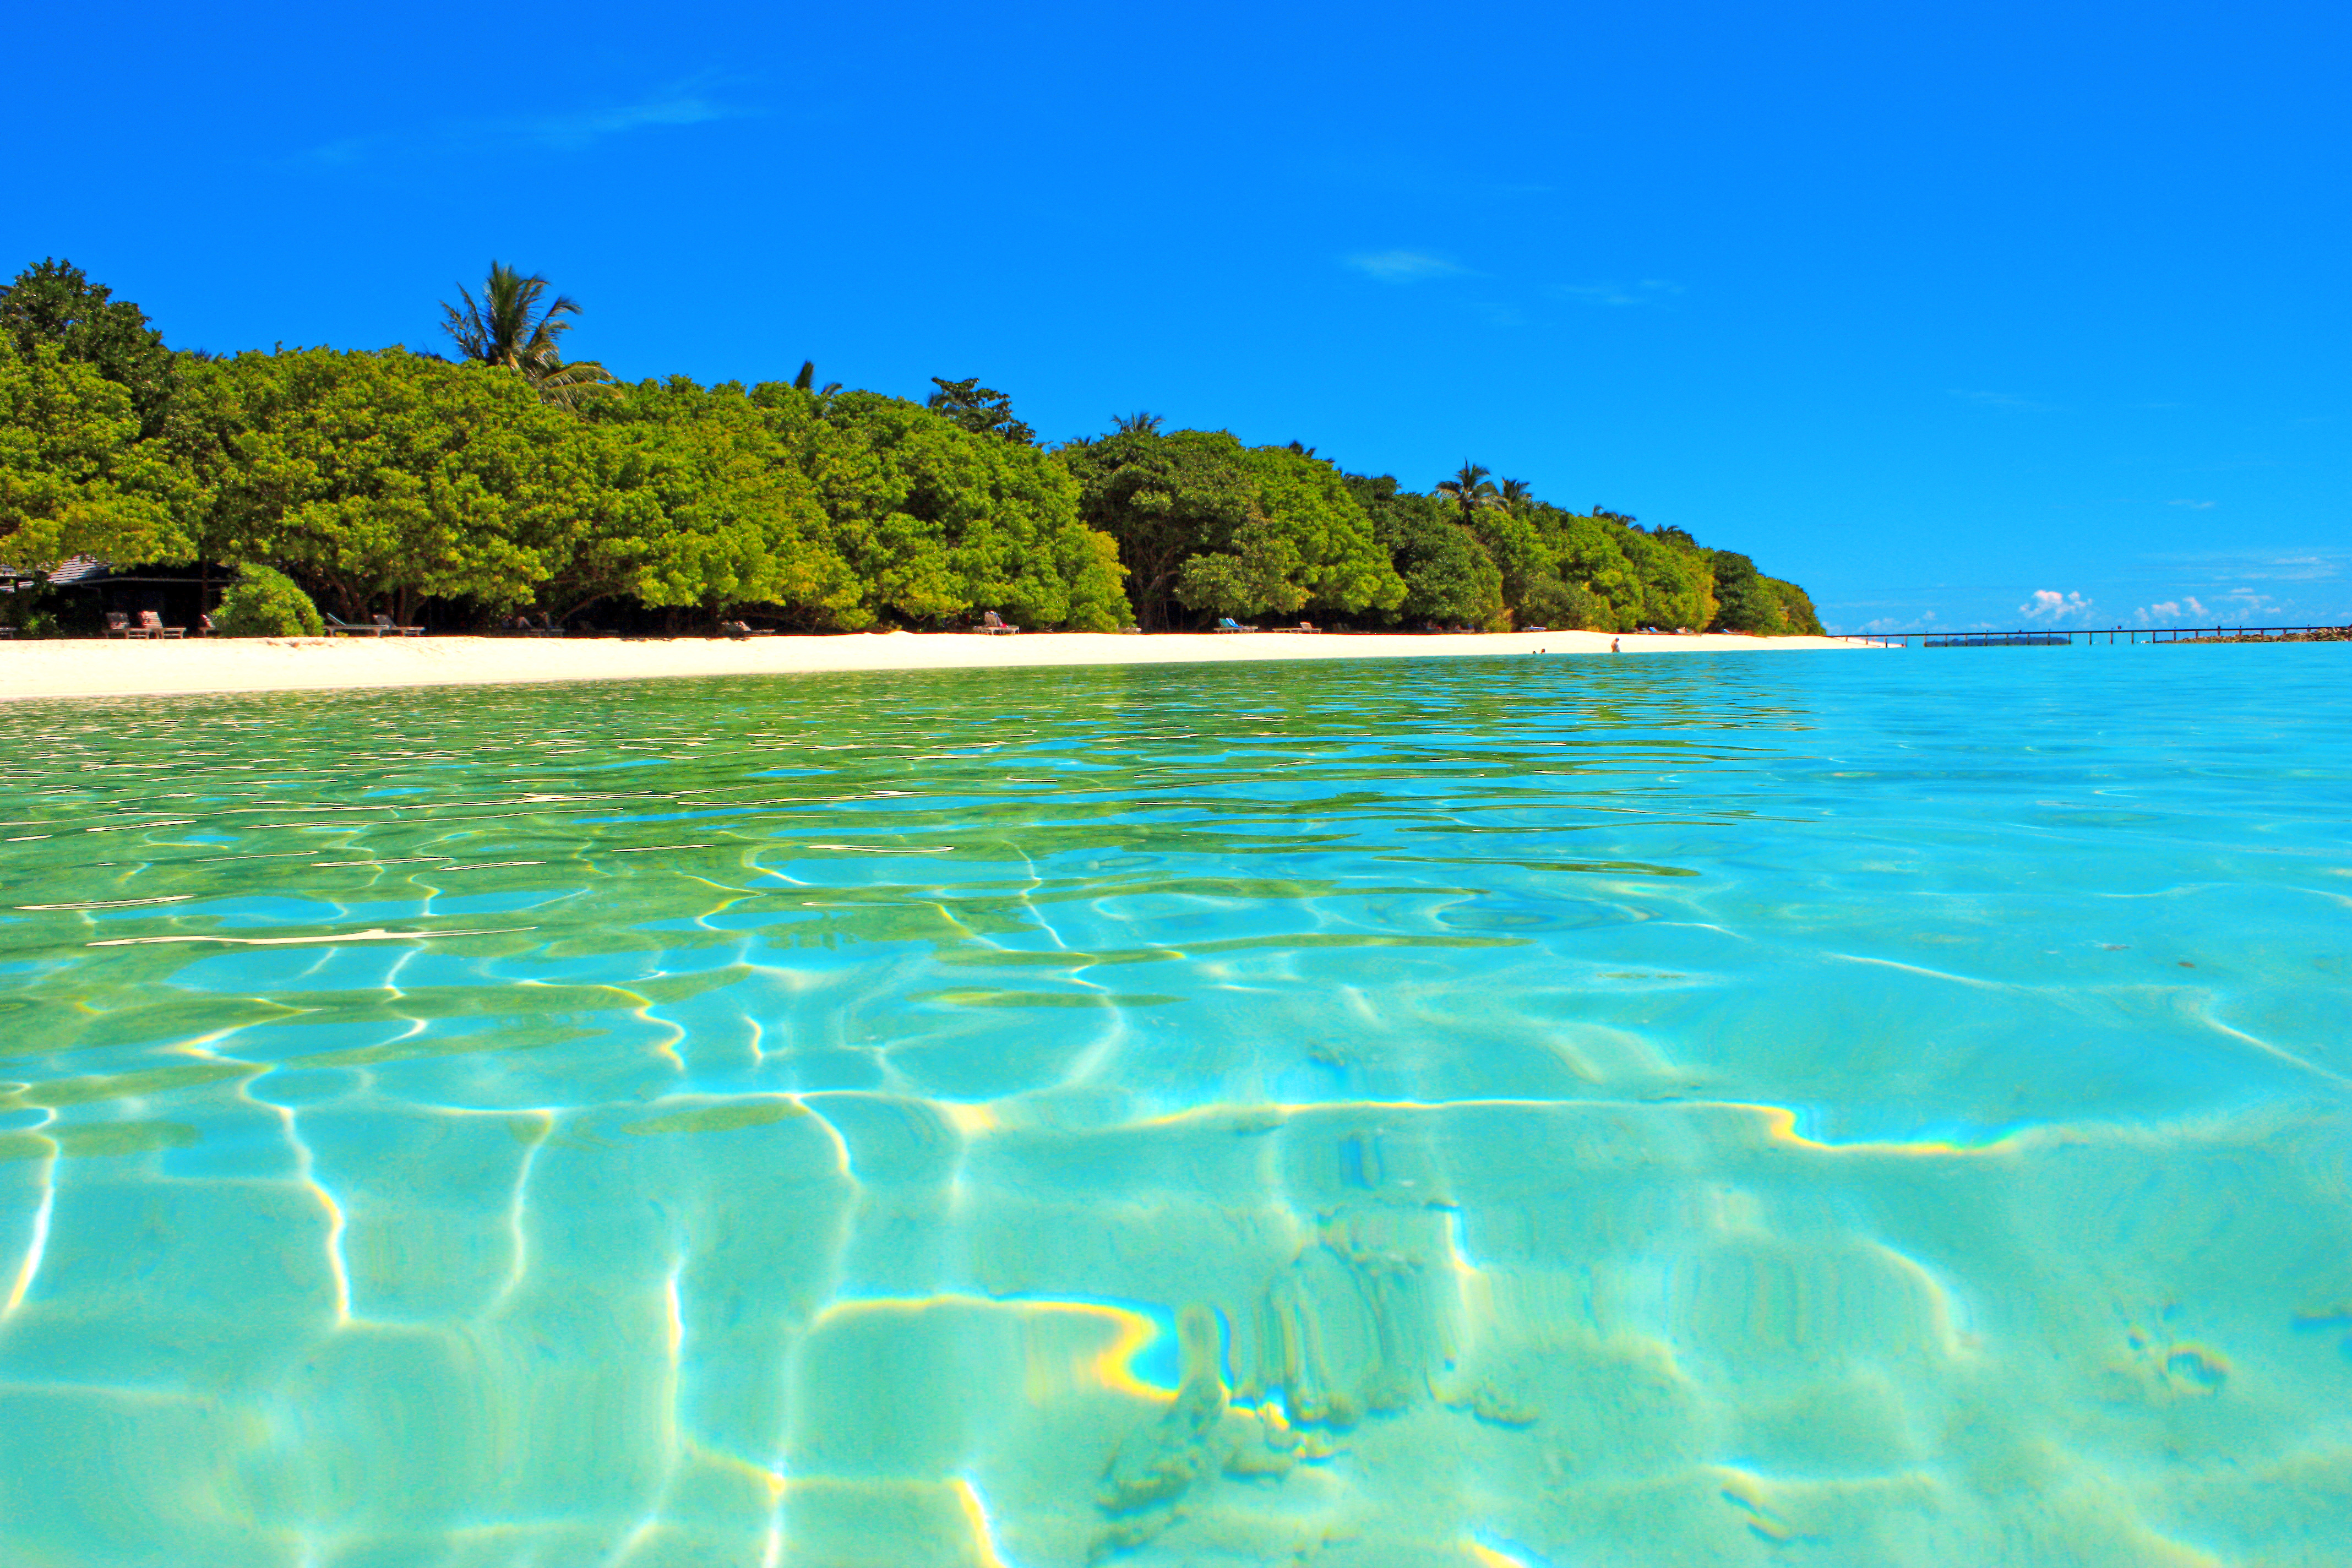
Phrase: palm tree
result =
(820, 397)
(509, 327)
(1517, 495)
(1470, 490)
(1135, 424)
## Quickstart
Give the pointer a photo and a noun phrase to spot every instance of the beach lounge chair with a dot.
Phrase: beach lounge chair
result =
(118, 625)
(391, 630)
(1304, 628)
(341, 628)
(1227, 623)
(994, 625)
(150, 625)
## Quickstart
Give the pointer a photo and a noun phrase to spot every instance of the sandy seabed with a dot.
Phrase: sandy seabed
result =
(98, 668)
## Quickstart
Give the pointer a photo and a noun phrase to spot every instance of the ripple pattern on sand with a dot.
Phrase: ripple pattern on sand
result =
(1737, 1110)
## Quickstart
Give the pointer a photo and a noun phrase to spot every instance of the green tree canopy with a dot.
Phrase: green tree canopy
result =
(1309, 545)
(1448, 578)
(1470, 490)
(1678, 584)
(1164, 499)
(1745, 599)
(383, 479)
(699, 502)
(978, 408)
(53, 302)
(1205, 522)
(75, 478)
(382, 476)
(1796, 608)
(938, 520)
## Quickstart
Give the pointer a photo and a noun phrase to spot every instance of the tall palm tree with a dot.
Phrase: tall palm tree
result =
(820, 397)
(1470, 490)
(508, 326)
(1517, 495)
(1135, 424)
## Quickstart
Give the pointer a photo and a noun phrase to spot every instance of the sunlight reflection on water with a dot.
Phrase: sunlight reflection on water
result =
(1889, 1107)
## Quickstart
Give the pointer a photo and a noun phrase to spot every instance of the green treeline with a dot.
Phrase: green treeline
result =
(509, 480)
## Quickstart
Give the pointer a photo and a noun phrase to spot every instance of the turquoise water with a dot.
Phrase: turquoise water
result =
(1862, 1109)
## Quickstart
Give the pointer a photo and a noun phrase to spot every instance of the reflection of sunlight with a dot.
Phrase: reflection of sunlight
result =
(40, 1242)
(1135, 1333)
(975, 1513)
(1454, 1099)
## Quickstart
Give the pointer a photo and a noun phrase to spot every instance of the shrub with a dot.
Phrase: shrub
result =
(266, 603)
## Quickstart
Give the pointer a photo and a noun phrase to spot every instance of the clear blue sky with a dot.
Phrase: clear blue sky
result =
(1932, 308)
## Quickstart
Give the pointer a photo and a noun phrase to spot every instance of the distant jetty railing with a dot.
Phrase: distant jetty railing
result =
(2044, 637)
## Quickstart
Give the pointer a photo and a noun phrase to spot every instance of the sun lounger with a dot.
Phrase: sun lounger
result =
(1304, 628)
(1227, 623)
(994, 625)
(388, 629)
(150, 625)
(339, 628)
(118, 625)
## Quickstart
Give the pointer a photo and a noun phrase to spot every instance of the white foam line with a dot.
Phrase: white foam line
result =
(876, 849)
(2206, 1015)
(113, 903)
(306, 1167)
(329, 938)
(519, 1233)
(40, 1242)
(1916, 969)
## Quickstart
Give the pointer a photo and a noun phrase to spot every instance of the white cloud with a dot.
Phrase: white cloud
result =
(2048, 604)
(2192, 505)
(1648, 291)
(2278, 565)
(1899, 622)
(2171, 611)
(1405, 266)
(680, 103)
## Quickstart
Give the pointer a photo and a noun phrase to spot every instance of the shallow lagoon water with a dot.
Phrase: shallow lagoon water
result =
(1838, 1110)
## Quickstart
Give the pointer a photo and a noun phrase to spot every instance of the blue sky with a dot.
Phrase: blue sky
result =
(1959, 314)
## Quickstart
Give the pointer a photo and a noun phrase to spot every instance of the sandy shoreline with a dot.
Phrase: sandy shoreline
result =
(103, 668)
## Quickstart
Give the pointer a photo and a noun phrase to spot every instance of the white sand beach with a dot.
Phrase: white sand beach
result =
(90, 667)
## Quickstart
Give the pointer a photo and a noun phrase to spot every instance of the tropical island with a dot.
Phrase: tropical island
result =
(502, 485)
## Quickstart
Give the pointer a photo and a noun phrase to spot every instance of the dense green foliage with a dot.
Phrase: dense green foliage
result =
(74, 478)
(52, 303)
(265, 604)
(463, 491)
